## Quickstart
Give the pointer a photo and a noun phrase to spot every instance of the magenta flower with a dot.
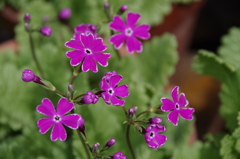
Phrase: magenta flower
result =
(112, 91)
(152, 138)
(118, 155)
(129, 32)
(28, 75)
(89, 50)
(85, 29)
(65, 13)
(177, 107)
(108, 75)
(90, 98)
(46, 31)
(57, 119)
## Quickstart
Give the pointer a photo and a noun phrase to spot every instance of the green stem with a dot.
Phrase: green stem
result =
(146, 111)
(129, 143)
(60, 93)
(85, 145)
(34, 54)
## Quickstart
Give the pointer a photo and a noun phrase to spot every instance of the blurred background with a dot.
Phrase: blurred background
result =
(196, 25)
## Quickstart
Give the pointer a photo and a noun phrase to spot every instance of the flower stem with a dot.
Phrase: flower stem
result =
(60, 93)
(85, 145)
(146, 111)
(124, 109)
(129, 143)
(34, 54)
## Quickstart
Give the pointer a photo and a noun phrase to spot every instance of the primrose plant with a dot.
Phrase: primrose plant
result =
(87, 51)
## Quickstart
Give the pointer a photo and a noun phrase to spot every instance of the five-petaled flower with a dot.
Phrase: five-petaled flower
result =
(128, 32)
(152, 138)
(177, 107)
(89, 50)
(112, 91)
(57, 119)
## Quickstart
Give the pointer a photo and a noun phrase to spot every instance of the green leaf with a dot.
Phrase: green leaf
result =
(227, 150)
(230, 48)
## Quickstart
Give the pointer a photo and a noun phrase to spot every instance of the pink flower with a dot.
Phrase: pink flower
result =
(112, 91)
(177, 107)
(128, 32)
(85, 29)
(152, 138)
(57, 119)
(89, 50)
(118, 155)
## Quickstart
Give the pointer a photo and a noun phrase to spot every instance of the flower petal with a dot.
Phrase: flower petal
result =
(117, 24)
(77, 59)
(160, 139)
(133, 44)
(104, 85)
(81, 28)
(106, 97)
(142, 31)
(173, 117)
(46, 108)
(71, 121)
(121, 91)
(183, 102)
(44, 124)
(74, 44)
(64, 106)
(89, 64)
(187, 113)
(58, 132)
(73, 53)
(76, 36)
(117, 40)
(87, 40)
(102, 58)
(117, 102)
(114, 80)
(98, 45)
(167, 105)
(175, 94)
(132, 19)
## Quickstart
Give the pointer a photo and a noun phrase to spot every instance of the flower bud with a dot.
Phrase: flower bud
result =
(46, 31)
(65, 13)
(95, 146)
(71, 88)
(155, 120)
(110, 143)
(90, 98)
(132, 111)
(27, 17)
(28, 75)
(81, 125)
(106, 5)
(123, 8)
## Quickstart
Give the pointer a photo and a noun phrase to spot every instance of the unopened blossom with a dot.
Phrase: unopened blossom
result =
(46, 31)
(152, 138)
(123, 8)
(90, 98)
(85, 29)
(129, 32)
(28, 75)
(95, 146)
(88, 51)
(177, 107)
(118, 155)
(65, 13)
(132, 111)
(27, 17)
(57, 119)
(155, 120)
(111, 142)
(112, 91)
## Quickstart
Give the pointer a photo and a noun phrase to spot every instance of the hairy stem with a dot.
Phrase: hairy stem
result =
(146, 111)
(129, 143)
(85, 145)
(34, 54)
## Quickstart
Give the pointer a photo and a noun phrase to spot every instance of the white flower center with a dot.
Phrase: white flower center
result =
(57, 118)
(110, 91)
(128, 31)
(88, 51)
(152, 134)
(177, 106)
